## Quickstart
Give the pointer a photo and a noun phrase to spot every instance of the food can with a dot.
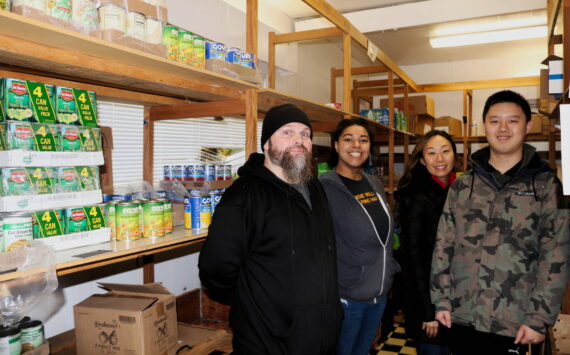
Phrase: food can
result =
(68, 179)
(219, 172)
(10, 343)
(96, 216)
(16, 182)
(128, 220)
(60, 9)
(70, 140)
(161, 193)
(112, 17)
(168, 221)
(88, 139)
(32, 335)
(42, 179)
(110, 217)
(97, 137)
(17, 104)
(36, 4)
(170, 39)
(187, 213)
(17, 231)
(215, 197)
(125, 197)
(167, 174)
(20, 136)
(247, 60)
(88, 177)
(199, 173)
(194, 209)
(215, 50)
(205, 211)
(136, 25)
(153, 30)
(3, 135)
(84, 13)
(227, 172)
(210, 172)
(50, 226)
(2, 235)
(153, 219)
(107, 197)
(65, 106)
(177, 172)
(189, 172)
(185, 47)
(199, 52)
(233, 55)
(75, 220)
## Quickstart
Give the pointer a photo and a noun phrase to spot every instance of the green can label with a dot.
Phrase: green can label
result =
(41, 180)
(17, 100)
(88, 139)
(65, 106)
(153, 219)
(32, 337)
(68, 180)
(167, 206)
(75, 220)
(87, 179)
(95, 217)
(199, 52)
(3, 145)
(44, 137)
(87, 116)
(110, 217)
(185, 47)
(16, 182)
(17, 232)
(21, 136)
(70, 139)
(41, 102)
(128, 221)
(60, 9)
(49, 223)
(170, 39)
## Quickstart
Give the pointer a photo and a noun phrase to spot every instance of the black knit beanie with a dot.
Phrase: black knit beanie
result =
(279, 116)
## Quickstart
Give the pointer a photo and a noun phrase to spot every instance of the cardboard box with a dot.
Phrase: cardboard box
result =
(129, 319)
(417, 105)
(449, 124)
(422, 124)
(201, 340)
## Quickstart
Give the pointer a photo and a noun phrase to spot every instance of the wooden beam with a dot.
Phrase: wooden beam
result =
(375, 83)
(566, 50)
(408, 118)
(252, 29)
(481, 84)
(324, 126)
(355, 98)
(552, 12)
(308, 35)
(331, 14)
(346, 60)
(375, 69)
(271, 60)
(110, 93)
(391, 116)
(198, 109)
(333, 86)
(148, 146)
(556, 39)
(250, 122)
(379, 92)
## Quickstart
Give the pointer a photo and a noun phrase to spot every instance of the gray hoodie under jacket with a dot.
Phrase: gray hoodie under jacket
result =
(366, 265)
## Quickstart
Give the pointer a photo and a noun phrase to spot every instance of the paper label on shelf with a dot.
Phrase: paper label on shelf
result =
(87, 115)
(48, 223)
(372, 51)
(41, 102)
(565, 147)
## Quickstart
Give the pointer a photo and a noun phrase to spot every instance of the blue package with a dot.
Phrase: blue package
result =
(233, 55)
(215, 50)
(247, 60)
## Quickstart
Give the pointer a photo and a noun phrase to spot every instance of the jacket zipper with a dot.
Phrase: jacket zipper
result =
(378, 236)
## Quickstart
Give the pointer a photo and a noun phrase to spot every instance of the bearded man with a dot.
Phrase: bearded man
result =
(270, 251)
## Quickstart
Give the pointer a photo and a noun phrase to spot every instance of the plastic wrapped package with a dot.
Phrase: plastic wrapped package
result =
(20, 295)
(233, 70)
(133, 23)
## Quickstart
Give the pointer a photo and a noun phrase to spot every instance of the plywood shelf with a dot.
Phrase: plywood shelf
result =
(28, 43)
(92, 256)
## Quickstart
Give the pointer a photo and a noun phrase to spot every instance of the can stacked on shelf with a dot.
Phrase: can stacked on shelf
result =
(197, 210)
(197, 172)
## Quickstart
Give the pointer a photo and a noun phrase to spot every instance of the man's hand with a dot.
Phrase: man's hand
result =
(430, 328)
(444, 317)
(526, 335)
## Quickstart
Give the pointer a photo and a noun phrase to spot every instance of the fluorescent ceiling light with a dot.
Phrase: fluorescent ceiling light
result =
(491, 24)
(489, 37)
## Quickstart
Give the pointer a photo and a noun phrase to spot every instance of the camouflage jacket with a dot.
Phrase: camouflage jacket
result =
(501, 253)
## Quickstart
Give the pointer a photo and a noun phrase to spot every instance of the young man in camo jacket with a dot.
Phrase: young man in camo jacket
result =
(500, 263)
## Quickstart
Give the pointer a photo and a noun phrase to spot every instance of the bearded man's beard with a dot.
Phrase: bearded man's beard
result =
(298, 169)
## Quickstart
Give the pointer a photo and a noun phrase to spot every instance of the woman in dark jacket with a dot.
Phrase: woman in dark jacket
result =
(421, 195)
(363, 226)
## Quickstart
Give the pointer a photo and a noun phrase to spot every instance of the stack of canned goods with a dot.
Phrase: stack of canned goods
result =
(198, 172)
(131, 220)
(199, 207)
(21, 337)
(39, 180)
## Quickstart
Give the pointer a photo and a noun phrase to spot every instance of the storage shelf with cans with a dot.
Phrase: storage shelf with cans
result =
(49, 159)
(29, 203)
(93, 256)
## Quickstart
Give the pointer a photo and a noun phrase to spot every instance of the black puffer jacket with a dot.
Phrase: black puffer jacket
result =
(274, 260)
(419, 207)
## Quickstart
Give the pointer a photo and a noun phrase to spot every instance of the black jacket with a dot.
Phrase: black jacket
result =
(419, 207)
(273, 259)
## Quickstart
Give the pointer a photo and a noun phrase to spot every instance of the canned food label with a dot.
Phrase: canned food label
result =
(44, 138)
(86, 178)
(76, 221)
(49, 223)
(199, 52)
(167, 205)
(70, 139)
(95, 217)
(110, 218)
(41, 102)
(88, 139)
(128, 223)
(16, 182)
(69, 180)
(40, 180)
(87, 114)
(17, 233)
(3, 145)
(97, 138)
(20, 136)
(65, 106)
(170, 39)
(1, 109)
(153, 219)
(60, 9)
(17, 100)
(32, 337)
(185, 47)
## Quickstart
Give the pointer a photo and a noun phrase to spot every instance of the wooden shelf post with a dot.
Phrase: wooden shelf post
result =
(148, 146)
(346, 92)
(250, 122)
